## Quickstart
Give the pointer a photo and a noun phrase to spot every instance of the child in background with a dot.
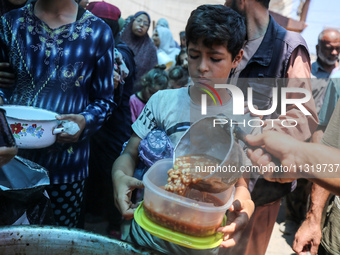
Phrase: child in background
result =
(156, 79)
(178, 77)
(166, 49)
(183, 40)
(182, 58)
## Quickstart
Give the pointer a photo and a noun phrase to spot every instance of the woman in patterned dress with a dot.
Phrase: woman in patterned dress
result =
(62, 57)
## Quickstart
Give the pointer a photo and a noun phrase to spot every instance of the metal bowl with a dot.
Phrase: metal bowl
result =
(60, 240)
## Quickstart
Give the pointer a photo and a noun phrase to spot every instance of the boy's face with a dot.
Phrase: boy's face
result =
(210, 65)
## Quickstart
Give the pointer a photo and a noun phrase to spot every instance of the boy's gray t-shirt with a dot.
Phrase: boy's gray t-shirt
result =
(173, 111)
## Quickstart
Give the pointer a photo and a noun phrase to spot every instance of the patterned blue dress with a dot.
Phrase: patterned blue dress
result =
(65, 70)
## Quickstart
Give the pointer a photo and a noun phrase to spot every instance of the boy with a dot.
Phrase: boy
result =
(215, 35)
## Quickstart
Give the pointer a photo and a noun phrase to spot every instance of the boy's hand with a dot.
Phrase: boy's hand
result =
(123, 186)
(237, 219)
(246, 110)
(7, 78)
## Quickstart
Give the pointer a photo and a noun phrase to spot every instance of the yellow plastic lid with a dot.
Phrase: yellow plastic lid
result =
(193, 242)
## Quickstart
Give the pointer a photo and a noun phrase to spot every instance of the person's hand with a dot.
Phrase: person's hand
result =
(307, 238)
(279, 145)
(317, 135)
(246, 110)
(7, 154)
(7, 78)
(123, 186)
(116, 79)
(237, 219)
(67, 138)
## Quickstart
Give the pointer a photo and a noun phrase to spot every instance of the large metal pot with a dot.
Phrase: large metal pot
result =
(60, 240)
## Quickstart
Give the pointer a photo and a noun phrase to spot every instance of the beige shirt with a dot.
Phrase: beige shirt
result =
(331, 136)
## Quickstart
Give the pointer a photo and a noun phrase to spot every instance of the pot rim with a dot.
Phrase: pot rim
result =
(27, 118)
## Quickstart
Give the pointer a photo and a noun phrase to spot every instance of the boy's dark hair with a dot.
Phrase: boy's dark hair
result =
(157, 76)
(179, 75)
(216, 24)
(265, 3)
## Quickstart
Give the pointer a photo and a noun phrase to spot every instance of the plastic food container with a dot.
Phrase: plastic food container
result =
(179, 213)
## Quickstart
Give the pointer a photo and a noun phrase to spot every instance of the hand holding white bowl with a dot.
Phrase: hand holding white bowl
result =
(76, 118)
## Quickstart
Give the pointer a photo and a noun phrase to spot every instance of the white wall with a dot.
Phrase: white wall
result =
(176, 12)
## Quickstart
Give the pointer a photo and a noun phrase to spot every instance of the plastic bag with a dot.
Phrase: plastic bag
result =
(155, 146)
(23, 199)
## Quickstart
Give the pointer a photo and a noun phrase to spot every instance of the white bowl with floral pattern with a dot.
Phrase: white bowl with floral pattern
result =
(32, 127)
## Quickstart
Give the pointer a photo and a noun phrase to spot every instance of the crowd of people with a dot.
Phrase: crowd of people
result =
(83, 61)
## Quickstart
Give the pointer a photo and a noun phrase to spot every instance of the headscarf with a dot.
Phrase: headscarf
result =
(109, 13)
(143, 48)
(167, 43)
(163, 23)
(104, 10)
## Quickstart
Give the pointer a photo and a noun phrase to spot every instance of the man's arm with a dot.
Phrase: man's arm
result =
(316, 162)
(298, 75)
(309, 233)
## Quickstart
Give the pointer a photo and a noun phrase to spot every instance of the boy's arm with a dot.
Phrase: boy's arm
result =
(238, 215)
(123, 182)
